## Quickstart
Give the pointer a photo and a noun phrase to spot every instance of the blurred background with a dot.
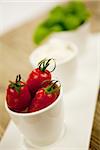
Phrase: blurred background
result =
(12, 13)
(18, 22)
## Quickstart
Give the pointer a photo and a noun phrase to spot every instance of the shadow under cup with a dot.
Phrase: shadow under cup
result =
(43, 127)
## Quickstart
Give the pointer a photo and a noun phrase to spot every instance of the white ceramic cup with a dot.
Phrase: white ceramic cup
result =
(66, 70)
(43, 127)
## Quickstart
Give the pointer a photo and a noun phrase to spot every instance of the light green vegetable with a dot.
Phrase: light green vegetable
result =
(56, 18)
(74, 7)
(62, 18)
(78, 9)
(57, 10)
(40, 33)
(71, 22)
(57, 28)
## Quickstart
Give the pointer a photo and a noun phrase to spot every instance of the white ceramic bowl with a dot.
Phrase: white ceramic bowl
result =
(42, 127)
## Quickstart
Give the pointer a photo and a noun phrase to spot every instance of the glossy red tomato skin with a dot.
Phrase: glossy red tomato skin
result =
(36, 78)
(42, 100)
(18, 101)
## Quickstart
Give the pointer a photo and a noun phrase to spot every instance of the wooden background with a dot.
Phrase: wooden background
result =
(15, 48)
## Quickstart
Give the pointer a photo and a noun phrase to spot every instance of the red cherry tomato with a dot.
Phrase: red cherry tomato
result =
(18, 96)
(38, 76)
(44, 97)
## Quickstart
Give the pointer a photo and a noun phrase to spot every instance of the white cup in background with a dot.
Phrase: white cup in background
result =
(65, 54)
(66, 69)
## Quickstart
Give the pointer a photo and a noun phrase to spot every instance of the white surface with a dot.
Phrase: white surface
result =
(15, 12)
(79, 105)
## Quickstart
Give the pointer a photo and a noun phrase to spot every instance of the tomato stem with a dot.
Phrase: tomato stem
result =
(18, 78)
(17, 84)
(53, 87)
(43, 64)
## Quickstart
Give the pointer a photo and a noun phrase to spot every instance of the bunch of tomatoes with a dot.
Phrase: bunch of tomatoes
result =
(38, 92)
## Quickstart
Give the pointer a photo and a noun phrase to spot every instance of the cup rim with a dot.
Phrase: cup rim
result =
(37, 112)
(74, 53)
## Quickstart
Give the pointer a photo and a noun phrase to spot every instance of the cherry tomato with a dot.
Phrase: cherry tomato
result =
(18, 96)
(44, 97)
(38, 76)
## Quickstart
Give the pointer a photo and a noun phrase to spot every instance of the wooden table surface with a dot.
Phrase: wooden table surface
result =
(15, 48)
